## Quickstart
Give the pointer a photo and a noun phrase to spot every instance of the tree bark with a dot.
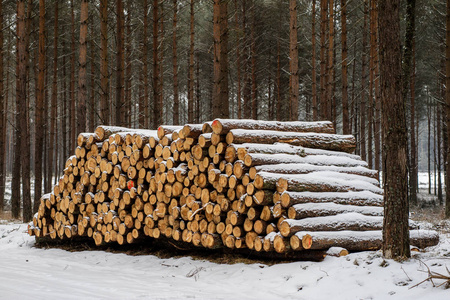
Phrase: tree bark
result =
(323, 62)
(344, 65)
(395, 226)
(120, 65)
(220, 25)
(447, 109)
(157, 109)
(73, 116)
(144, 99)
(176, 100)
(313, 63)
(82, 77)
(191, 65)
(39, 114)
(104, 80)
(293, 61)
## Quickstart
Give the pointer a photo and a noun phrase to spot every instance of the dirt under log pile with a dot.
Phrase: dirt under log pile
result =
(225, 183)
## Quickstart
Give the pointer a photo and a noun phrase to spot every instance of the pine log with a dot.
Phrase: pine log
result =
(256, 159)
(164, 130)
(104, 132)
(347, 221)
(325, 181)
(308, 210)
(348, 198)
(345, 143)
(363, 240)
(191, 130)
(305, 168)
(223, 126)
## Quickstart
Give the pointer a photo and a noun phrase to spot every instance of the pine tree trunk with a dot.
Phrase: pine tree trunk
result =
(447, 109)
(82, 90)
(72, 126)
(53, 105)
(395, 226)
(176, 104)
(323, 62)
(3, 120)
(293, 61)
(20, 97)
(39, 113)
(191, 65)
(238, 61)
(220, 34)
(92, 107)
(128, 66)
(156, 76)
(413, 182)
(253, 66)
(313, 63)
(362, 107)
(344, 65)
(120, 65)
(330, 67)
(104, 80)
(144, 99)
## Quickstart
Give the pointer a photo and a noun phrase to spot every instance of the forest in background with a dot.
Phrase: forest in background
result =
(68, 66)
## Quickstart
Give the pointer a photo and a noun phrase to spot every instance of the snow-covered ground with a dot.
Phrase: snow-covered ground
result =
(27, 272)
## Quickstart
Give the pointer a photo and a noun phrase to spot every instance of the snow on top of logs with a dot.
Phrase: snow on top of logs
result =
(326, 181)
(166, 129)
(345, 221)
(46, 196)
(104, 131)
(254, 159)
(325, 141)
(305, 210)
(223, 126)
(288, 149)
(289, 198)
(302, 168)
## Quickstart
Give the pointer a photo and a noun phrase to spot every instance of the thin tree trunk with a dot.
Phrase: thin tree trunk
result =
(330, 64)
(377, 129)
(156, 76)
(370, 122)
(395, 222)
(362, 110)
(220, 33)
(82, 90)
(323, 62)
(104, 80)
(53, 105)
(144, 100)
(313, 63)
(20, 96)
(39, 113)
(92, 103)
(64, 107)
(238, 61)
(176, 104)
(128, 66)
(438, 153)
(447, 109)
(278, 76)
(253, 65)
(198, 95)
(3, 122)
(120, 95)
(293, 61)
(191, 65)
(429, 144)
(161, 63)
(344, 65)
(413, 182)
(72, 81)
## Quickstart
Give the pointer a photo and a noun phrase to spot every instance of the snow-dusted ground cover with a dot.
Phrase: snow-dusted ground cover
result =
(27, 272)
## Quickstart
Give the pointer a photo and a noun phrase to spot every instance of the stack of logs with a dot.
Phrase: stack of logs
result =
(266, 186)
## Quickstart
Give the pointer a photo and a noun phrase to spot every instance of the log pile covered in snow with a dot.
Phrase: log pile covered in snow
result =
(285, 187)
